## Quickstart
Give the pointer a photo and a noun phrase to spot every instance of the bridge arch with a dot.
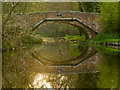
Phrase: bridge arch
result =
(90, 32)
(80, 29)
(88, 21)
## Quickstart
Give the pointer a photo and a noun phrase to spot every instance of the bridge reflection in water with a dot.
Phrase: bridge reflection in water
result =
(62, 65)
(59, 64)
(64, 57)
(71, 66)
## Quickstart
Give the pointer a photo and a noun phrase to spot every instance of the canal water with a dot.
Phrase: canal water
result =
(60, 65)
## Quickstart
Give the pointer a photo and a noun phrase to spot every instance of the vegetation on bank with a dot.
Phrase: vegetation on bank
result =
(109, 22)
(31, 39)
(102, 36)
(74, 38)
(14, 38)
(27, 39)
(107, 37)
(11, 38)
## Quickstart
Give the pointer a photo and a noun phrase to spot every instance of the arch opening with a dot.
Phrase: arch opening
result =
(59, 29)
(90, 33)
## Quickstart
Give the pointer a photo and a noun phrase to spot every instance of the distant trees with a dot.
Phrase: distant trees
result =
(27, 7)
(109, 19)
(88, 6)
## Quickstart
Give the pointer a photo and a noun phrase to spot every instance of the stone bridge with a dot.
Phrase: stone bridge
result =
(87, 21)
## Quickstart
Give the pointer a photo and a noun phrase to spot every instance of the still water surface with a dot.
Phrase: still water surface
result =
(60, 64)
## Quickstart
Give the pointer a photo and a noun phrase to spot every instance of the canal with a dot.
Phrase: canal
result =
(60, 64)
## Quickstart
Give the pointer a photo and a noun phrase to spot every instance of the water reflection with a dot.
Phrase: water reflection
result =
(58, 53)
(65, 80)
(41, 82)
(98, 70)
(109, 70)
